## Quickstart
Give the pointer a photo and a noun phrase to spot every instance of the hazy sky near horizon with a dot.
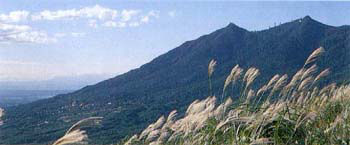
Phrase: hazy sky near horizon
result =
(43, 39)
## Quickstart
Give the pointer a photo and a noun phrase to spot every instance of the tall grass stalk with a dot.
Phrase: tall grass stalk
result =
(74, 134)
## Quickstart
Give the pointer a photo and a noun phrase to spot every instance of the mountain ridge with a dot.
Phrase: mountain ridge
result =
(130, 101)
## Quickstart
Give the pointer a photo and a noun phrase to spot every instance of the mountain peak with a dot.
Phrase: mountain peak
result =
(233, 26)
(307, 20)
(306, 23)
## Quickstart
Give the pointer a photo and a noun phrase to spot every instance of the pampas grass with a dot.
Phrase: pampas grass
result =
(250, 76)
(147, 133)
(324, 73)
(279, 84)
(211, 68)
(301, 112)
(305, 83)
(1, 114)
(309, 71)
(262, 141)
(75, 134)
(313, 57)
(272, 81)
(233, 77)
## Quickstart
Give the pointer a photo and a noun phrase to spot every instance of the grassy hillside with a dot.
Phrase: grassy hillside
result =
(296, 110)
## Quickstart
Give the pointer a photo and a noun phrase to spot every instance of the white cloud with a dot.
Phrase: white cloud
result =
(78, 34)
(126, 15)
(59, 35)
(13, 28)
(99, 12)
(15, 16)
(20, 33)
(93, 23)
(172, 13)
(31, 37)
(153, 13)
(48, 15)
(134, 24)
(96, 12)
(94, 16)
(145, 19)
(132, 18)
(150, 14)
(23, 33)
(114, 24)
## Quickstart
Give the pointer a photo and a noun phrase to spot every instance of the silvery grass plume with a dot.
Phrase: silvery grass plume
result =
(221, 109)
(74, 134)
(322, 74)
(272, 81)
(240, 121)
(340, 93)
(166, 131)
(314, 55)
(311, 116)
(132, 140)
(250, 76)
(266, 87)
(303, 73)
(314, 116)
(310, 71)
(211, 68)
(250, 95)
(262, 141)
(1, 114)
(295, 80)
(233, 77)
(152, 130)
(305, 83)
(195, 119)
(328, 89)
(279, 84)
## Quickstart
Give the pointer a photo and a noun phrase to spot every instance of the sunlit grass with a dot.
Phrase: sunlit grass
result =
(299, 110)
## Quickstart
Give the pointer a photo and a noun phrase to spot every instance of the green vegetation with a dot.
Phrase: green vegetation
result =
(299, 111)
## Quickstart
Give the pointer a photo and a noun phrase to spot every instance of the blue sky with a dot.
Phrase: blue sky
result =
(44, 39)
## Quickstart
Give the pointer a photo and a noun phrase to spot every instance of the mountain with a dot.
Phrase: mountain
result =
(129, 102)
